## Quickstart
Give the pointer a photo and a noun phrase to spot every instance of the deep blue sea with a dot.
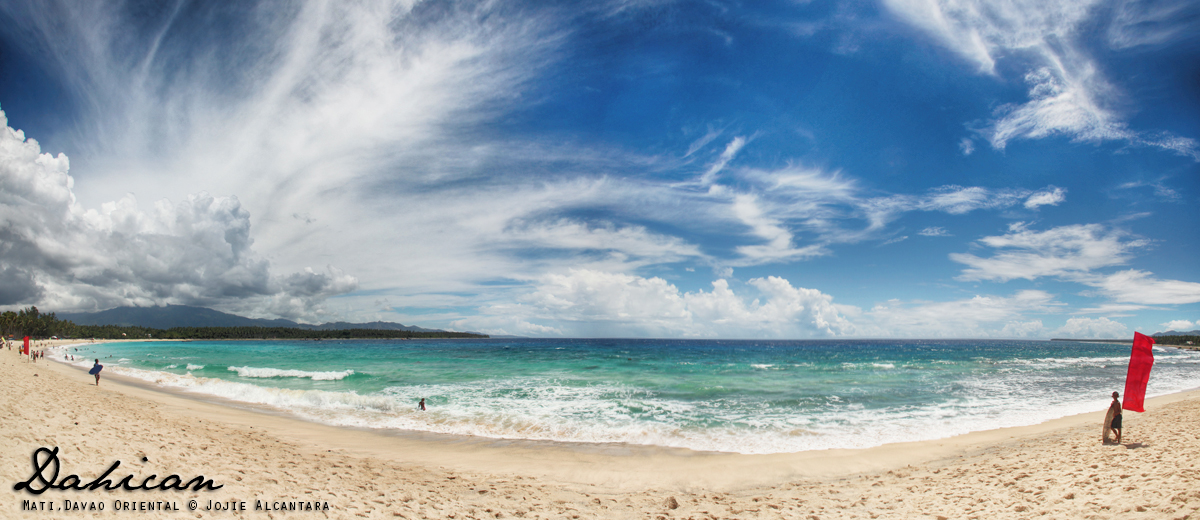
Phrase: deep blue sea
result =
(712, 395)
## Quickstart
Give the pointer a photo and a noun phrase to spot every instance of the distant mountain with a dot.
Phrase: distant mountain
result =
(187, 316)
(1173, 333)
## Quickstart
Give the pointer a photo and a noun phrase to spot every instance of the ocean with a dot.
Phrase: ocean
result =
(708, 395)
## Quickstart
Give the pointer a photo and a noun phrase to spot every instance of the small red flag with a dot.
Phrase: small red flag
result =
(1141, 360)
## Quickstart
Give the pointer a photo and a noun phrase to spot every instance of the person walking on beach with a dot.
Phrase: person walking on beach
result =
(96, 371)
(1112, 419)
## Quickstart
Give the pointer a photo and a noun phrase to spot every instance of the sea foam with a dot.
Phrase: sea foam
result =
(785, 405)
(277, 372)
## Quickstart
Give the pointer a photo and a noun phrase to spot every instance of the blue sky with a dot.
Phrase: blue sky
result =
(902, 168)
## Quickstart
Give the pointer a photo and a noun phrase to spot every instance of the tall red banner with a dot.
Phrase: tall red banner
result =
(26, 345)
(1140, 363)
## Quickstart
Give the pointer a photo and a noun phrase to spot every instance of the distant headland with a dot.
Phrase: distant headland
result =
(187, 322)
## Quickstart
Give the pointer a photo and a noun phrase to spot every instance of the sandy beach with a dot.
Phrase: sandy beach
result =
(261, 459)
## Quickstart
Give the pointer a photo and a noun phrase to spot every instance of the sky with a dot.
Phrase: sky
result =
(624, 168)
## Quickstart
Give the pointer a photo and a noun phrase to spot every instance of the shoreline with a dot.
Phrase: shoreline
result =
(584, 477)
(322, 408)
(825, 463)
(662, 460)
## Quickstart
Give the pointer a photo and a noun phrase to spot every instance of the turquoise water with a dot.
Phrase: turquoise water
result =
(734, 396)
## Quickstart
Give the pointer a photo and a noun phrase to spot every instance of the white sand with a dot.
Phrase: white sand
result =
(1055, 470)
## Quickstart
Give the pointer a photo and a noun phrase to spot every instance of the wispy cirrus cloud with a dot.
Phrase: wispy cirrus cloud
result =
(1142, 287)
(731, 151)
(1143, 23)
(955, 200)
(1068, 93)
(1061, 251)
(1050, 197)
(1074, 253)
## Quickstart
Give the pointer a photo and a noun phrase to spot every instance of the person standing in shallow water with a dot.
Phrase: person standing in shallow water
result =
(421, 405)
(1112, 419)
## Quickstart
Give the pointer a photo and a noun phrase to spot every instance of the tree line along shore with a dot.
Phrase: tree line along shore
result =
(30, 322)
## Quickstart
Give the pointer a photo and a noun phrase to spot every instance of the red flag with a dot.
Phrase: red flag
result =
(1140, 362)
(26, 345)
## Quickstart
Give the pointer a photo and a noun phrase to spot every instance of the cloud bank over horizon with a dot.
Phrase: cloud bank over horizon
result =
(542, 169)
(195, 252)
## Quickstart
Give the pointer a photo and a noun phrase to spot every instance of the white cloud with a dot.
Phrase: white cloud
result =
(334, 124)
(1112, 309)
(1135, 286)
(779, 246)
(1138, 23)
(967, 146)
(1023, 329)
(1072, 253)
(1068, 95)
(1049, 197)
(1180, 326)
(935, 231)
(1160, 189)
(633, 241)
(955, 200)
(702, 141)
(584, 302)
(1092, 328)
(977, 317)
(1061, 105)
(731, 150)
(1060, 251)
(197, 251)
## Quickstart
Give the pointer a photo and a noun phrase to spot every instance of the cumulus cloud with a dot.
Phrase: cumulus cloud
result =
(1068, 94)
(197, 251)
(596, 303)
(1061, 251)
(1092, 328)
(1023, 329)
(1180, 325)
